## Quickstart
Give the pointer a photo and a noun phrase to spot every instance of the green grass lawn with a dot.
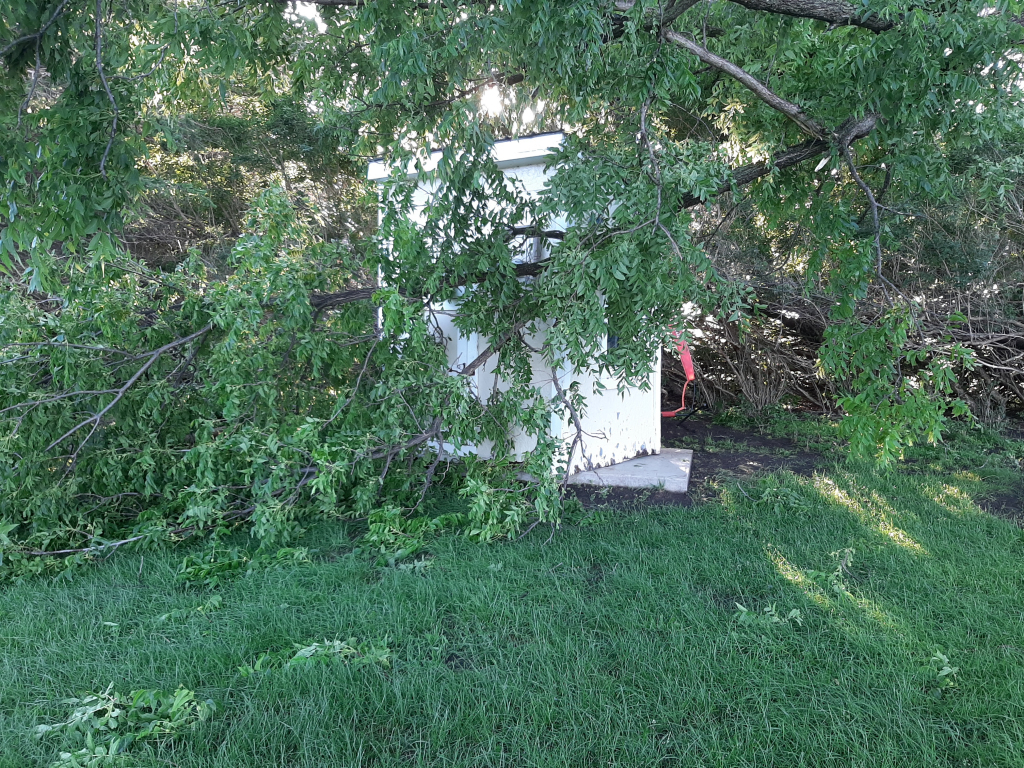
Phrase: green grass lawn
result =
(615, 643)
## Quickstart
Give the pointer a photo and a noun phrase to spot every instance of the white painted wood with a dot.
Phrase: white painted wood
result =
(508, 154)
(617, 426)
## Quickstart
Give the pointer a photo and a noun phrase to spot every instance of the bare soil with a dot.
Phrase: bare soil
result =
(719, 453)
(723, 453)
(726, 452)
(1008, 505)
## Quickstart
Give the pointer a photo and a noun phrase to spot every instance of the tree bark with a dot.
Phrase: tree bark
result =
(836, 12)
(755, 86)
(325, 301)
(851, 130)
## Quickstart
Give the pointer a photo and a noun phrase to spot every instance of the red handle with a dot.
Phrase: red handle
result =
(684, 355)
(687, 360)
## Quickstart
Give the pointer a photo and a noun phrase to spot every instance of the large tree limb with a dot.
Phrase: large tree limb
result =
(836, 12)
(751, 83)
(851, 130)
(325, 301)
(119, 393)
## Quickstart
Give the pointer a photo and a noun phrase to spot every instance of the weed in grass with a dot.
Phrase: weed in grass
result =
(779, 499)
(941, 675)
(834, 582)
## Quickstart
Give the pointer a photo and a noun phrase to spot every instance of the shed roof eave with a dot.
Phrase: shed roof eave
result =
(509, 153)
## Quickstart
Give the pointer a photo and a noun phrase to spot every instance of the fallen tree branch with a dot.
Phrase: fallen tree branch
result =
(35, 35)
(106, 87)
(433, 431)
(188, 530)
(486, 355)
(324, 301)
(119, 393)
(851, 130)
(837, 13)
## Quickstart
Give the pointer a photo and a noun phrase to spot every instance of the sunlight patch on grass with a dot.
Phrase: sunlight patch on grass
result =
(880, 616)
(973, 477)
(873, 512)
(952, 499)
(798, 578)
(881, 513)
(827, 598)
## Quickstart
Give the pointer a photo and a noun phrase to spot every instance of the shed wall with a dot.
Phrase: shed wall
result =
(616, 426)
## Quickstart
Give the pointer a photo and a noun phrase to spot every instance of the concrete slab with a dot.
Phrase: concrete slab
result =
(669, 470)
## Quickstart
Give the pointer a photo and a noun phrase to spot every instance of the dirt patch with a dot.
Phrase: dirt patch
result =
(729, 453)
(1008, 502)
(618, 498)
(458, 662)
(718, 453)
(1008, 505)
(726, 452)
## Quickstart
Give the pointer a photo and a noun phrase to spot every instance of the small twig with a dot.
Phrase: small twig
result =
(358, 381)
(533, 525)
(577, 425)
(646, 142)
(108, 350)
(879, 196)
(875, 223)
(87, 550)
(32, 90)
(31, 404)
(552, 536)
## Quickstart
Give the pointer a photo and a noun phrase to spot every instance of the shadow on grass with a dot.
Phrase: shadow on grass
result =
(616, 643)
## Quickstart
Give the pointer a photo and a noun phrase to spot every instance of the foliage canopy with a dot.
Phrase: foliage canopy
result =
(172, 364)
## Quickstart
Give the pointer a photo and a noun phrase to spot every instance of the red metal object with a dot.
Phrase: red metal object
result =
(687, 360)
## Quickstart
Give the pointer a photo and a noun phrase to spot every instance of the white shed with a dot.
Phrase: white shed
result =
(617, 427)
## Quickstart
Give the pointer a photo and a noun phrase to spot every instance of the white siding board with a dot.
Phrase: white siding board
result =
(617, 427)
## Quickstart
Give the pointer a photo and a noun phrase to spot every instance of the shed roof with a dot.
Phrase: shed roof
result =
(509, 153)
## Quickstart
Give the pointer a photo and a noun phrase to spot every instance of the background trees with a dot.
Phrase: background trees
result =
(834, 187)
